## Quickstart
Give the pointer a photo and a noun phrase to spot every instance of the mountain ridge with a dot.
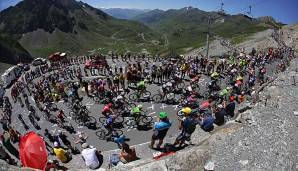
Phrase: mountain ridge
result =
(69, 25)
(124, 13)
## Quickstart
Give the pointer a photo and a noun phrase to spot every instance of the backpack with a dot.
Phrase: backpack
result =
(191, 126)
(168, 147)
(114, 159)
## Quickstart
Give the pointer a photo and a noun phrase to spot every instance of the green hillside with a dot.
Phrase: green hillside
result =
(186, 28)
(47, 26)
(11, 52)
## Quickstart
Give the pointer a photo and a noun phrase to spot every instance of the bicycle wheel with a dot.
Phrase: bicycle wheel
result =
(101, 134)
(147, 119)
(96, 99)
(130, 122)
(102, 119)
(119, 120)
(91, 119)
(133, 97)
(157, 98)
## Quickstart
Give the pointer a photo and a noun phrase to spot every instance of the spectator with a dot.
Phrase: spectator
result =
(81, 138)
(206, 122)
(127, 154)
(187, 127)
(220, 114)
(7, 144)
(5, 156)
(60, 153)
(161, 128)
(230, 108)
(91, 156)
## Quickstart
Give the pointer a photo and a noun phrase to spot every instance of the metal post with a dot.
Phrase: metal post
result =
(208, 34)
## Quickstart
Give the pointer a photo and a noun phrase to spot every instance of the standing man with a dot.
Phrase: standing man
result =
(187, 126)
(160, 129)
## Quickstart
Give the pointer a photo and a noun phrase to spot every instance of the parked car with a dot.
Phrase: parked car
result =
(39, 61)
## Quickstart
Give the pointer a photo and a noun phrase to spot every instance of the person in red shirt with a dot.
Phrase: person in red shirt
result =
(107, 109)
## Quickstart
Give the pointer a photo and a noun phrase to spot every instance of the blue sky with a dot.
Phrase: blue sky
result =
(282, 10)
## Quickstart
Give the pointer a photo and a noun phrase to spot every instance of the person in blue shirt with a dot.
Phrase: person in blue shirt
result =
(160, 129)
(206, 122)
(187, 127)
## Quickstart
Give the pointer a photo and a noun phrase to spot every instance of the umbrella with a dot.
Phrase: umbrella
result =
(33, 152)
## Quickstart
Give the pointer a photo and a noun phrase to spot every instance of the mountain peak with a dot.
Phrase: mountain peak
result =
(30, 15)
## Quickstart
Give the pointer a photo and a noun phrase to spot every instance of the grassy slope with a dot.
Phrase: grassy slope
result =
(185, 28)
(114, 34)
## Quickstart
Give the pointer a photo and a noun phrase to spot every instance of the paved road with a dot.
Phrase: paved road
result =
(136, 136)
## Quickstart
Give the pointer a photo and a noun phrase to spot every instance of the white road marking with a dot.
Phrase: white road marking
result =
(175, 107)
(151, 113)
(163, 106)
(69, 117)
(152, 107)
(88, 107)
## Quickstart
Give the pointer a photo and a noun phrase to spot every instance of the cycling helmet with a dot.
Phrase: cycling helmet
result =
(186, 110)
(163, 115)
(140, 106)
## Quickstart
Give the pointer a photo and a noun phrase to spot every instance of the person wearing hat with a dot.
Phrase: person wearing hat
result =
(91, 156)
(220, 113)
(160, 129)
(60, 153)
(187, 126)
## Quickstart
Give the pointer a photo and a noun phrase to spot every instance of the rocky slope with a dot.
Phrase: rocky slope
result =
(260, 40)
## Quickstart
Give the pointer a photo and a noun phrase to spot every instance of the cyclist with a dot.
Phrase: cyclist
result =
(136, 112)
(141, 86)
(107, 109)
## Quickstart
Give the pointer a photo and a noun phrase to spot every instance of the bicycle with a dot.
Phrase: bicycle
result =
(133, 121)
(137, 95)
(117, 119)
(161, 97)
(85, 120)
(104, 134)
